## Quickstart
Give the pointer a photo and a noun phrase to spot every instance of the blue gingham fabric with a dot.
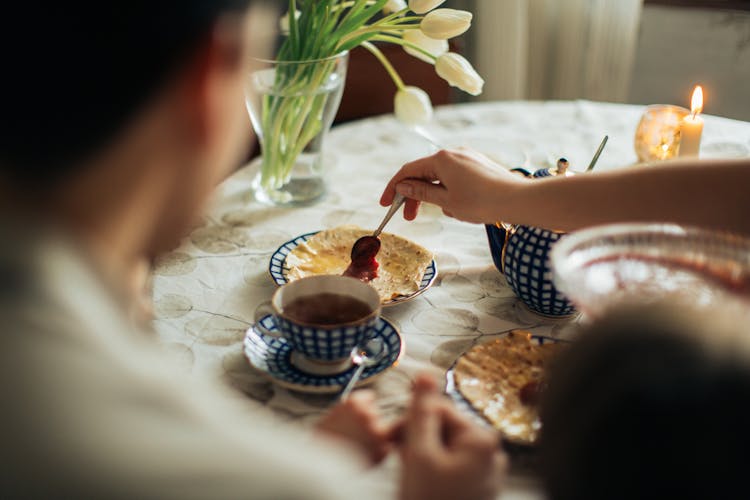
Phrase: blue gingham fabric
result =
(324, 343)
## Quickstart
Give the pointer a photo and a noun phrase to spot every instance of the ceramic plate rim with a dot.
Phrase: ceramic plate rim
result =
(278, 258)
(332, 389)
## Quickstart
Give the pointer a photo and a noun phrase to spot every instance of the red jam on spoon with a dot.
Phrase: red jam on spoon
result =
(364, 266)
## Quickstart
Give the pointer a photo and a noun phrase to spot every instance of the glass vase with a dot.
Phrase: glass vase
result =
(292, 105)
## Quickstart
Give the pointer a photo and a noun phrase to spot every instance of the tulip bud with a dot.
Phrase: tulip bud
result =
(284, 21)
(412, 106)
(423, 6)
(394, 6)
(435, 47)
(443, 24)
(458, 72)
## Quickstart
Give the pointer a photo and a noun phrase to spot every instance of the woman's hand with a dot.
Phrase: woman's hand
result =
(445, 455)
(465, 184)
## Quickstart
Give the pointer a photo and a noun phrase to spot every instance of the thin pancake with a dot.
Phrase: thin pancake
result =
(402, 262)
(491, 376)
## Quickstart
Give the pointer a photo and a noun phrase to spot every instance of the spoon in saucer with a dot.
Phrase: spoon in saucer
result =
(370, 354)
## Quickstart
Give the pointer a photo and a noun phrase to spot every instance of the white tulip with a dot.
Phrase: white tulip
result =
(423, 6)
(435, 47)
(394, 6)
(442, 24)
(284, 21)
(459, 72)
(412, 106)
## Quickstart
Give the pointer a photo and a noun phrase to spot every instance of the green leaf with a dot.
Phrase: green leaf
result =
(358, 20)
(330, 24)
(356, 41)
(347, 25)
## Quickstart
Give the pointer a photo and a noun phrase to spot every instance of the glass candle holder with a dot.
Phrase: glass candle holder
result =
(658, 134)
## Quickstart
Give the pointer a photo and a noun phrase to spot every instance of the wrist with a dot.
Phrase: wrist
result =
(507, 197)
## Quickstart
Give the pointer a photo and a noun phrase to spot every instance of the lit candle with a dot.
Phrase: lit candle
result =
(691, 128)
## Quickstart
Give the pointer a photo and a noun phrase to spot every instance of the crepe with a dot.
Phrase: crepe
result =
(492, 376)
(402, 262)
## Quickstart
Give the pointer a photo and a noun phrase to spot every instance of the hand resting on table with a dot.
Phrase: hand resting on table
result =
(444, 454)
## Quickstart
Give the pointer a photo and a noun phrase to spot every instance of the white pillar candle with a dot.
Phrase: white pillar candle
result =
(691, 127)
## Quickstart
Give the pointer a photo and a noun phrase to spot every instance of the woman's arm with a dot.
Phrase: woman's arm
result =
(468, 186)
(714, 194)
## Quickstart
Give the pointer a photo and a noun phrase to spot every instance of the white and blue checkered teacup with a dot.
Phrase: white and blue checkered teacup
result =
(327, 344)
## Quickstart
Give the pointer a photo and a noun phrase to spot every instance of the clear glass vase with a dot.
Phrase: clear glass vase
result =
(292, 105)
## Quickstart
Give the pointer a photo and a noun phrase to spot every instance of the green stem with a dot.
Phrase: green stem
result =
(293, 117)
(315, 126)
(305, 113)
(346, 5)
(377, 28)
(400, 41)
(386, 64)
(396, 18)
(395, 15)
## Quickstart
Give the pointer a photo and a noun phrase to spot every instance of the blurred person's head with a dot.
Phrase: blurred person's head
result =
(649, 404)
(132, 110)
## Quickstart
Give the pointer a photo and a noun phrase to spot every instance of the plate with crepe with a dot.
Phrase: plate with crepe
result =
(501, 382)
(406, 268)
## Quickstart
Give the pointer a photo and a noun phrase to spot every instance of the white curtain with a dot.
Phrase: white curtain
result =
(556, 49)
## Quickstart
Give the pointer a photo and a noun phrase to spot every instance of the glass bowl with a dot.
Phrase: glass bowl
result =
(603, 266)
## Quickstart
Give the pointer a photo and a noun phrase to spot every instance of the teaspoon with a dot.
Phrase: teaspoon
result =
(364, 356)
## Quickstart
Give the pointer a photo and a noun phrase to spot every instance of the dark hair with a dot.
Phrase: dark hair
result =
(75, 72)
(640, 409)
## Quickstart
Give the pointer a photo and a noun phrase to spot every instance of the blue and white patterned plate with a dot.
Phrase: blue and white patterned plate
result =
(458, 398)
(272, 357)
(276, 268)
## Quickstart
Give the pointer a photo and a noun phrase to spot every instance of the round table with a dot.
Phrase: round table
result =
(206, 291)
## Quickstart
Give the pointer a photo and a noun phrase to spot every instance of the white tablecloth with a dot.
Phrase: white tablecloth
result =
(207, 290)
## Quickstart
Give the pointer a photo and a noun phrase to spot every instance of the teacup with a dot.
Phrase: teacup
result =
(323, 318)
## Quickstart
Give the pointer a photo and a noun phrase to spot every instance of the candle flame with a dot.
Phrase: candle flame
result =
(696, 105)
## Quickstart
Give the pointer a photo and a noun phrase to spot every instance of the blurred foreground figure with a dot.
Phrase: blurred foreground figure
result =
(650, 404)
(118, 119)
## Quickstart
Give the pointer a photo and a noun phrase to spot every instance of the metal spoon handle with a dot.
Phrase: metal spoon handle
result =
(398, 200)
(352, 382)
(597, 154)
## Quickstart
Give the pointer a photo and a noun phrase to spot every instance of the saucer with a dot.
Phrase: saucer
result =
(276, 269)
(273, 357)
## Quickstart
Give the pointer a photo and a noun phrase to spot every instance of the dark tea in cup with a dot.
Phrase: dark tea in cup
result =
(327, 309)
